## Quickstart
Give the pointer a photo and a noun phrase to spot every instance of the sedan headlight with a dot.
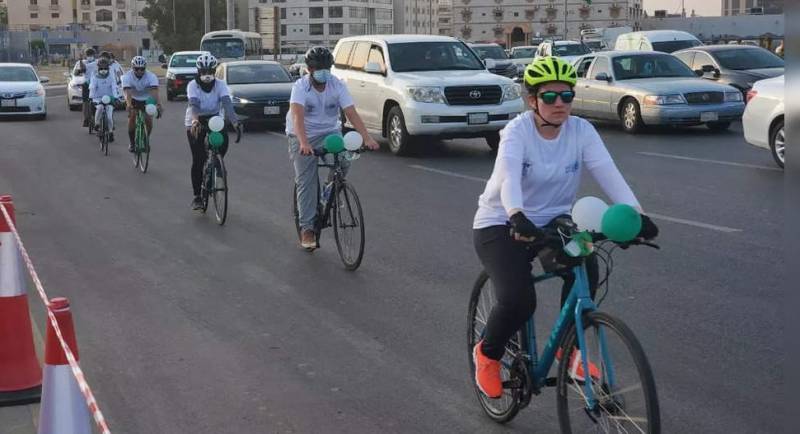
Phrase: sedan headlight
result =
(664, 99)
(239, 100)
(34, 93)
(733, 97)
(512, 92)
(170, 76)
(431, 94)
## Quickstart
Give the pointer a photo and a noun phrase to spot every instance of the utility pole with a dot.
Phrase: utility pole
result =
(230, 14)
(174, 26)
(207, 16)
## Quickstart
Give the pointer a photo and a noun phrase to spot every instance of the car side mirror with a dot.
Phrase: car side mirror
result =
(602, 77)
(708, 68)
(373, 68)
(699, 72)
(44, 80)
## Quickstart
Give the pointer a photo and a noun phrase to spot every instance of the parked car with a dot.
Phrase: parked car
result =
(641, 88)
(409, 86)
(75, 91)
(666, 41)
(260, 90)
(763, 117)
(495, 59)
(21, 91)
(523, 56)
(181, 69)
(737, 65)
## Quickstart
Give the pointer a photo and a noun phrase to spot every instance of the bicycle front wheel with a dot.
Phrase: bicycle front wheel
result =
(143, 152)
(348, 226)
(481, 302)
(219, 189)
(624, 398)
(103, 133)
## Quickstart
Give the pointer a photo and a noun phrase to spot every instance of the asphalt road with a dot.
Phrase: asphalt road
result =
(188, 327)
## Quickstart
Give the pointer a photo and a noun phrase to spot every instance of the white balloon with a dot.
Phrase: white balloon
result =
(105, 99)
(150, 109)
(353, 141)
(216, 123)
(588, 212)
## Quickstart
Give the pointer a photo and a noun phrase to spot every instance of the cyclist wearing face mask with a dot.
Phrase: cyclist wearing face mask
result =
(104, 84)
(535, 180)
(139, 85)
(86, 67)
(316, 102)
(207, 97)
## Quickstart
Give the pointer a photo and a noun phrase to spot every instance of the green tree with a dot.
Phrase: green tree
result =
(187, 20)
(3, 15)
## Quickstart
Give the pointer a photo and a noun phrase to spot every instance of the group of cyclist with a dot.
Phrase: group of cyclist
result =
(534, 181)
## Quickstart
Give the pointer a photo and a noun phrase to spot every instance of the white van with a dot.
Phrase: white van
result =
(666, 41)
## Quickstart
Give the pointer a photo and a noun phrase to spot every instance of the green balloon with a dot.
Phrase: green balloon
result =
(334, 144)
(151, 100)
(621, 223)
(215, 139)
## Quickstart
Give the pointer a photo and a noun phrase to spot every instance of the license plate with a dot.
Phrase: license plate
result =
(477, 118)
(8, 103)
(272, 110)
(709, 116)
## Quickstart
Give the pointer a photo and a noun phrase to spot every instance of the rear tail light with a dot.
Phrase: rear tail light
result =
(750, 95)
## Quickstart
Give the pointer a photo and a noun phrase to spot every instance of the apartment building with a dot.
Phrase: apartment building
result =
(108, 15)
(419, 17)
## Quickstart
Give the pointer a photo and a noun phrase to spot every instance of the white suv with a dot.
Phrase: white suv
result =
(567, 50)
(409, 86)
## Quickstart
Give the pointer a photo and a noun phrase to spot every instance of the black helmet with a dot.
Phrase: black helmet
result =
(105, 54)
(89, 52)
(319, 58)
(102, 64)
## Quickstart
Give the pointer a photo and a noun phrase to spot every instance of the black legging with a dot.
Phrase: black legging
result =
(508, 263)
(199, 155)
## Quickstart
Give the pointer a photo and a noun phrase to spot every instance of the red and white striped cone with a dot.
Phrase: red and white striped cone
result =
(20, 373)
(63, 409)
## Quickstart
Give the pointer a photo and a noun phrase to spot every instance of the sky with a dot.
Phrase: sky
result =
(705, 8)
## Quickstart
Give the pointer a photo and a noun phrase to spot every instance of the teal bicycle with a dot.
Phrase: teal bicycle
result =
(617, 396)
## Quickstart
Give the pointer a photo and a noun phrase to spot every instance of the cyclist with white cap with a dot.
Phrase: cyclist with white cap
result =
(139, 85)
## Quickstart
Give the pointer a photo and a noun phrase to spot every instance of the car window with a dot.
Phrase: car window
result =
(570, 50)
(343, 54)
(183, 61)
(490, 52)
(649, 66)
(376, 56)
(583, 66)
(740, 59)
(17, 73)
(701, 59)
(523, 53)
(433, 56)
(360, 55)
(671, 46)
(686, 57)
(601, 65)
(257, 73)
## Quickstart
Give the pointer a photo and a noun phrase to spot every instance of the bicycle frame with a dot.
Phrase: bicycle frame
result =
(336, 176)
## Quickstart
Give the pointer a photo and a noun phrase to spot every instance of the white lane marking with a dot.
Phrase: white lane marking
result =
(654, 215)
(703, 160)
(273, 133)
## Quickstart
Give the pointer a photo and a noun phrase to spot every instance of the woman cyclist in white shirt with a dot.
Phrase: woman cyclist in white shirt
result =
(535, 180)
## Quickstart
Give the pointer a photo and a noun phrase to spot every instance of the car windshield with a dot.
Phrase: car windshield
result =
(594, 45)
(227, 48)
(184, 61)
(570, 50)
(433, 56)
(490, 52)
(14, 73)
(747, 58)
(672, 46)
(250, 74)
(649, 66)
(523, 53)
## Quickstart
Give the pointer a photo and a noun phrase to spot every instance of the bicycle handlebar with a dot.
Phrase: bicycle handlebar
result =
(553, 238)
(322, 152)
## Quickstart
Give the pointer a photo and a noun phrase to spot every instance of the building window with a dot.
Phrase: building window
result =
(357, 29)
(55, 15)
(335, 12)
(34, 16)
(358, 13)
(121, 16)
(316, 12)
(283, 13)
(516, 14)
(87, 17)
(335, 28)
(317, 29)
(283, 29)
(34, 2)
(104, 15)
(383, 14)
(54, 2)
(102, 2)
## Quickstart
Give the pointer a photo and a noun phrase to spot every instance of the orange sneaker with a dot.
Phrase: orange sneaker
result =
(576, 366)
(487, 373)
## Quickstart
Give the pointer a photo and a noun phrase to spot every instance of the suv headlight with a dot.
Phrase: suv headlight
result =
(170, 76)
(512, 92)
(430, 94)
(733, 97)
(664, 99)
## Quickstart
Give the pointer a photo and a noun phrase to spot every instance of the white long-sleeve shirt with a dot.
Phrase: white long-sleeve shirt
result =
(100, 87)
(541, 177)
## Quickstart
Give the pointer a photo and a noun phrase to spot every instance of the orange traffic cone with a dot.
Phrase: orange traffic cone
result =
(64, 409)
(20, 373)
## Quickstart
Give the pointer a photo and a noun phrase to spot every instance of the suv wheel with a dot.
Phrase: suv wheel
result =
(493, 140)
(400, 142)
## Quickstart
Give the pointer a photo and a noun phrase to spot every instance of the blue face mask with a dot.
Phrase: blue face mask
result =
(322, 75)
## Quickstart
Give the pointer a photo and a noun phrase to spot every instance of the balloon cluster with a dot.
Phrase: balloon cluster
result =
(620, 222)
(335, 143)
(215, 138)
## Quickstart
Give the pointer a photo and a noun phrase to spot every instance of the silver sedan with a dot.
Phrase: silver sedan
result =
(641, 88)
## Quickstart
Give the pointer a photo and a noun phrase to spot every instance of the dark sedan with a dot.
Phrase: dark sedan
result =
(260, 90)
(737, 65)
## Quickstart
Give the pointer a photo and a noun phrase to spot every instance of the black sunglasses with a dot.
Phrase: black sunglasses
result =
(550, 96)
(138, 69)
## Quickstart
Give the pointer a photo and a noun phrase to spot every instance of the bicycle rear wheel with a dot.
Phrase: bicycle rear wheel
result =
(219, 189)
(103, 133)
(348, 226)
(621, 381)
(481, 302)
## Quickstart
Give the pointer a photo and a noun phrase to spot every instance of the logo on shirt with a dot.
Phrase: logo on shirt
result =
(572, 168)
(526, 165)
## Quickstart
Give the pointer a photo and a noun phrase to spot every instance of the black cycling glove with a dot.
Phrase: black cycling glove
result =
(524, 227)
(649, 229)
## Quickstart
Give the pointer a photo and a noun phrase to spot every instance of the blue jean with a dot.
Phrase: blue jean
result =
(306, 177)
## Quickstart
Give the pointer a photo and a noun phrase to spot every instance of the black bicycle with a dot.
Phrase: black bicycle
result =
(215, 176)
(104, 130)
(338, 207)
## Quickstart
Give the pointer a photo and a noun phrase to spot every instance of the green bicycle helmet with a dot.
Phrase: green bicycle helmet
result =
(549, 69)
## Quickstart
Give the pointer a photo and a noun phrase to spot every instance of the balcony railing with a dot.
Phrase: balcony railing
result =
(33, 7)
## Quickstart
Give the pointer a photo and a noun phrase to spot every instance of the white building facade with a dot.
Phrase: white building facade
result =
(418, 17)
(446, 17)
(518, 22)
